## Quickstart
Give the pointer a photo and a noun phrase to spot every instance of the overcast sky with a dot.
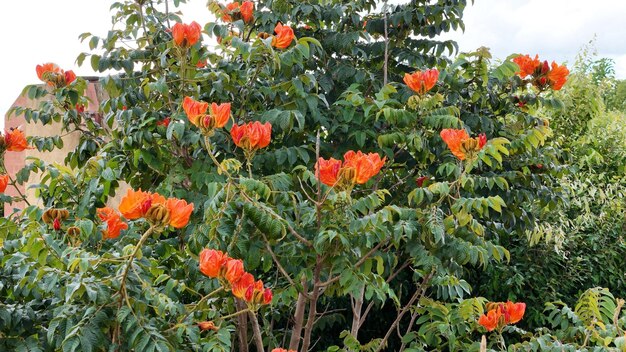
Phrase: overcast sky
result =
(38, 31)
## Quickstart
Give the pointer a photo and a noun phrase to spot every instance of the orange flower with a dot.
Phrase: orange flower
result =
(135, 204)
(460, 143)
(557, 76)
(179, 212)
(14, 140)
(357, 168)
(70, 77)
(490, 320)
(194, 110)
(257, 294)
(211, 262)
(220, 114)
(422, 81)
(284, 36)
(201, 63)
(233, 270)
(240, 287)
(252, 136)
(513, 312)
(4, 181)
(247, 9)
(112, 219)
(165, 122)
(230, 10)
(453, 139)
(365, 165)
(54, 75)
(43, 71)
(527, 66)
(186, 35)
(207, 325)
(328, 171)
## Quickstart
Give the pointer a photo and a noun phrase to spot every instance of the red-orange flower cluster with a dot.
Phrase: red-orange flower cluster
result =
(13, 141)
(156, 209)
(235, 11)
(460, 143)
(231, 273)
(54, 75)
(114, 224)
(186, 35)
(357, 168)
(4, 181)
(196, 113)
(278, 349)
(542, 74)
(284, 36)
(252, 135)
(500, 314)
(422, 81)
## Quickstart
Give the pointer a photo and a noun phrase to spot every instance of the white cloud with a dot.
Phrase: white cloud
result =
(554, 29)
(36, 32)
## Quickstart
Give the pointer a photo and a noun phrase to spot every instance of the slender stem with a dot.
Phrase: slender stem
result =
(242, 326)
(239, 312)
(502, 343)
(419, 292)
(209, 149)
(219, 289)
(258, 339)
(167, 13)
(129, 263)
(249, 165)
(312, 305)
(371, 304)
(386, 62)
(296, 332)
(356, 313)
(14, 184)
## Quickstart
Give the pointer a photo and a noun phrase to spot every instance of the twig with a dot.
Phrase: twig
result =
(357, 264)
(294, 342)
(258, 339)
(419, 292)
(371, 304)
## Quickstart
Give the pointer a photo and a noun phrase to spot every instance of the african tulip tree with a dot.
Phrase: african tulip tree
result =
(336, 125)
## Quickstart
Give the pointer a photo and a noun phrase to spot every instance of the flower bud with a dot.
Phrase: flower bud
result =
(207, 325)
(56, 224)
(73, 231)
(158, 215)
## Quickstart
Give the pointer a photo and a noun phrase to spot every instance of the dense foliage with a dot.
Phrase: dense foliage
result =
(349, 185)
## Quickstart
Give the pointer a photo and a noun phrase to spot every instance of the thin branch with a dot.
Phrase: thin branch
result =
(357, 264)
(419, 292)
(389, 279)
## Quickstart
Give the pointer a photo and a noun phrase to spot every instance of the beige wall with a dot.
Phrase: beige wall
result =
(15, 161)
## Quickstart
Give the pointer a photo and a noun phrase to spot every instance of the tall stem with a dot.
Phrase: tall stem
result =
(14, 184)
(386, 62)
(209, 149)
(356, 313)
(419, 292)
(312, 305)
(242, 325)
(129, 263)
(298, 318)
(258, 339)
